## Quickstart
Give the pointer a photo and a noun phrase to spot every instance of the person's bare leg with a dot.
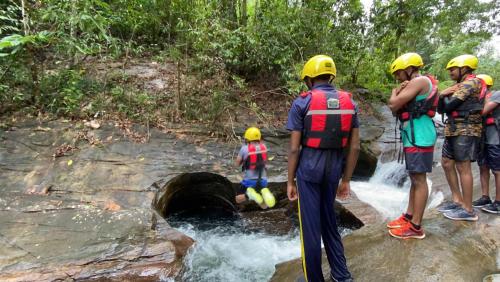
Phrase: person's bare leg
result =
(497, 184)
(485, 180)
(465, 173)
(240, 198)
(452, 178)
(421, 192)
(410, 208)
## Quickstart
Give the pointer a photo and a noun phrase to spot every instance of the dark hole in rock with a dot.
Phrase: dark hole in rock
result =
(211, 197)
(196, 194)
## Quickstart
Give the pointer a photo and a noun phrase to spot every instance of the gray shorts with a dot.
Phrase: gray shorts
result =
(490, 157)
(461, 148)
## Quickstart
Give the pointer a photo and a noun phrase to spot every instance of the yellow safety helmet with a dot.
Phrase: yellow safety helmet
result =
(463, 61)
(487, 79)
(252, 134)
(407, 60)
(318, 65)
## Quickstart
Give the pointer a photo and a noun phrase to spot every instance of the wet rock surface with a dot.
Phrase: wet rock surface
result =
(452, 251)
(87, 215)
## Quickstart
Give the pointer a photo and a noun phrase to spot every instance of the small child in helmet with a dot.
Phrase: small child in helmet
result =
(252, 158)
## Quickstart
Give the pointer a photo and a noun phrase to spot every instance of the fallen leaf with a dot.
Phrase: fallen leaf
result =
(112, 206)
(270, 158)
(70, 162)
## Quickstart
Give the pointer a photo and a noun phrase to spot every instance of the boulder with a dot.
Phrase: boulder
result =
(451, 251)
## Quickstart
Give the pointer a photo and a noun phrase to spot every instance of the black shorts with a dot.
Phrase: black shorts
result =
(490, 156)
(419, 159)
(461, 148)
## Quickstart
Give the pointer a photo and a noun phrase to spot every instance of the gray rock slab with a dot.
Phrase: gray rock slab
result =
(451, 251)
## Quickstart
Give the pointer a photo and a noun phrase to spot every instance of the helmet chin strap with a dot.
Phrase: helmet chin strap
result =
(309, 83)
(408, 75)
(459, 74)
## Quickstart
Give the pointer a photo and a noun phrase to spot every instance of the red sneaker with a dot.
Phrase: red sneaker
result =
(398, 223)
(407, 232)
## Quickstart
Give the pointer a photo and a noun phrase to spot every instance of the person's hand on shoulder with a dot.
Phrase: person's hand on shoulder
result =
(450, 90)
(402, 86)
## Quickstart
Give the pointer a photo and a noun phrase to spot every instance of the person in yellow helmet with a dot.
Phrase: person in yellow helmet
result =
(414, 102)
(324, 129)
(252, 158)
(463, 104)
(489, 157)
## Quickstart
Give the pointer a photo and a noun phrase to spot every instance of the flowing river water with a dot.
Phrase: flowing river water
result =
(230, 250)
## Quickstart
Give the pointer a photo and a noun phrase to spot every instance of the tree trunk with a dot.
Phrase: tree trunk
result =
(35, 93)
(25, 18)
(243, 13)
(354, 73)
(229, 6)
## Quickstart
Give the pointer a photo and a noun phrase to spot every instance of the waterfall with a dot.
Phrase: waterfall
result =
(387, 190)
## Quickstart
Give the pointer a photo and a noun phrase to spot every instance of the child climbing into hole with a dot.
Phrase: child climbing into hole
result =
(252, 158)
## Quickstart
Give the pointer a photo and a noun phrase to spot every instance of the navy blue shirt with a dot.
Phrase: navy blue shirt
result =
(312, 162)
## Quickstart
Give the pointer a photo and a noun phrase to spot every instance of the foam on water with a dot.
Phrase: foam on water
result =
(226, 253)
(387, 190)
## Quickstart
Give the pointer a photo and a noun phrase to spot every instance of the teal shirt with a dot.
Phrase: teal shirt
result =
(425, 130)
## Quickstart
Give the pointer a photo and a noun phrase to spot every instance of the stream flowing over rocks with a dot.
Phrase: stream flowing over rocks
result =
(112, 203)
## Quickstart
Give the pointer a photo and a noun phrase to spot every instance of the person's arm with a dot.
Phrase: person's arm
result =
(293, 160)
(491, 103)
(241, 156)
(238, 161)
(488, 107)
(406, 94)
(352, 158)
(462, 92)
(451, 103)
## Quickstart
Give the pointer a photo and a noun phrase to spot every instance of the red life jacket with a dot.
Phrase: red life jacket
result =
(256, 160)
(490, 120)
(328, 121)
(493, 117)
(415, 109)
(471, 106)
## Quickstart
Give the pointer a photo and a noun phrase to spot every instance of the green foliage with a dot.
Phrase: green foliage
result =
(235, 42)
(444, 53)
(9, 22)
(65, 92)
(437, 30)
(80, 26)
(10, 45)
(491, 66)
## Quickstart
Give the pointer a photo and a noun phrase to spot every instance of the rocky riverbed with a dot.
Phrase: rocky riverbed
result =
(84, 202)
